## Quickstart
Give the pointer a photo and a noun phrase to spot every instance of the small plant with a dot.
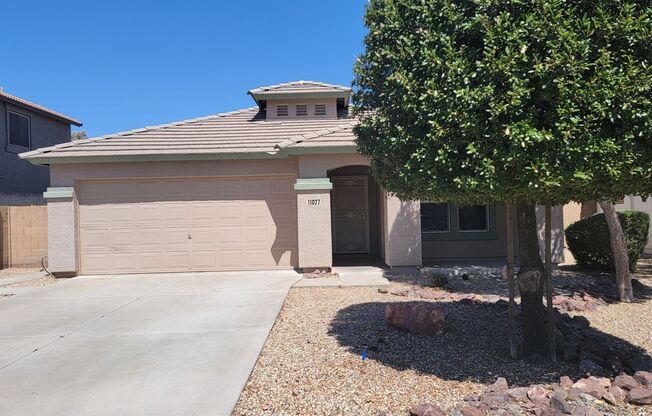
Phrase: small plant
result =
(439, 280)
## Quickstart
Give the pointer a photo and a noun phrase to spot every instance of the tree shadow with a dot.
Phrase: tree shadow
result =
(474, 347)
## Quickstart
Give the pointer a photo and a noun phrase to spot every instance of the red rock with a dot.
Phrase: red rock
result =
(606, 383)
(640, 395)
(625, 382)
(618, 394)
(471, 411)
(494, 400)
(565, 382)
(499, 386)
(420, 318)
(644, 377)
(537, 394)
(518, 393)
(582, 410)
(558, 402)
(592, 386)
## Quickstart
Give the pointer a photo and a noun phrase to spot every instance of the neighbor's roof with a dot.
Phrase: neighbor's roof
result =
(243, 132)
(33, 106)
(301, 89)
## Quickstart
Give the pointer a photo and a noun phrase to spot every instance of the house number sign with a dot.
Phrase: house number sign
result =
(313, 202)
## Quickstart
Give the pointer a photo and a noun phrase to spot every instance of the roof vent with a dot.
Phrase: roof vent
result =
(302, 110)
(320, 109)
(282, 111)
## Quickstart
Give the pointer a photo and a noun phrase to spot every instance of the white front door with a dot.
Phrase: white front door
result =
(350, 214)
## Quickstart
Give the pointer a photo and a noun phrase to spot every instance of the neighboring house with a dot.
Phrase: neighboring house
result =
(279, 185)
(25, 126)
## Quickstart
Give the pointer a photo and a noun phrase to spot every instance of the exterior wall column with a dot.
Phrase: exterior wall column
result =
(314, 223)
(402, 232)
(62, 232)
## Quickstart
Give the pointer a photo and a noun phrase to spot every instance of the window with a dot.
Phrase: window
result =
(282, 111)
(320, 109)
(473, 218)
(18, 130)
(302, 110)
(444, 221)
(434, 217)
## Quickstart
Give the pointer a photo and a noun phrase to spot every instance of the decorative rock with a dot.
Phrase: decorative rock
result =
(625, 382)
(518, 393)
(471, 411)
(618, 394)
(609, 398)
(587, 366)
(565, 382)
(591, 386)
(420, 318)
(537, 394)
(500, 386)
(427, 410)
(582, 410)
(382, 290)
(558, 401)
(644, 377)
(640, 395)
(494, 400)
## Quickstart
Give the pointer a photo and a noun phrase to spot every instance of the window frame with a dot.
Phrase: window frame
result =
(16, 148)
(455, 234)
(285, 113)
(320, 114)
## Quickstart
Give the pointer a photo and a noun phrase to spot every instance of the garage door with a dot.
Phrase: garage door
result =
(175, 225)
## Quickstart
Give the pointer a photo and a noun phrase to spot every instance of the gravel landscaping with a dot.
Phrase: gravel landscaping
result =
(12, 271)
(312, 362)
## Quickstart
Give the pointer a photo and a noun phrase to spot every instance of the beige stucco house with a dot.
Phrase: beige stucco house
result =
(279, 185)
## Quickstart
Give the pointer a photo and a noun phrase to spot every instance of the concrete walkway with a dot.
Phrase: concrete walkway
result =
(350, 276)
(177, 344)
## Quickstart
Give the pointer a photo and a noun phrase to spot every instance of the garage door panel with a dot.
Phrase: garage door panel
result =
(144, 225)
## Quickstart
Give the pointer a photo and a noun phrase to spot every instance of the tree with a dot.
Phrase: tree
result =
(511, 101)
(78, 135)
(619, 250)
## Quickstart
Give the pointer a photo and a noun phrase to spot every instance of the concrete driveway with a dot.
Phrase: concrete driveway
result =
(175, 344)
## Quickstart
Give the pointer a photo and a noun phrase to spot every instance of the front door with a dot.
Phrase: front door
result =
(350, 214)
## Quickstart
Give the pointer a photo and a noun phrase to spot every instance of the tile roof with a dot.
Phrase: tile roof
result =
(238, 132)
(300, 87)
(39, 108)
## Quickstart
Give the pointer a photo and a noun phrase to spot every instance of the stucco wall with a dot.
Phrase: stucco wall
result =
(23, 240)
(19, 176)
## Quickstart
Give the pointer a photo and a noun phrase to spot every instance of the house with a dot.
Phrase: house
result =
(25, 126)
(279, 185)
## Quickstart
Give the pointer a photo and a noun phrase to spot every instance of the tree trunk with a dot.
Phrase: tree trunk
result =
(619, 251)
(530, 283)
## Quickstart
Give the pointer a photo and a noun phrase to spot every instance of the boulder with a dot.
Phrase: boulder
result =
(640, 395)
(427, 409)
(423, 318)
(591, 386)
(644, 377)
(494, 400)
(625, 382)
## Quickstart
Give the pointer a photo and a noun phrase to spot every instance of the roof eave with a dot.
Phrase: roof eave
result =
(271, 95)
(44, 160)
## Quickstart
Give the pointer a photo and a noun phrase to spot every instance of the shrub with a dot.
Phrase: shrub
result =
(439, 280)
(588, 239)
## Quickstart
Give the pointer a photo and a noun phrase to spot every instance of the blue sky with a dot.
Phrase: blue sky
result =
(118, 65)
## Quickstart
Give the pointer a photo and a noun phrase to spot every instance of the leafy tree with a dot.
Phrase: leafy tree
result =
(508, 101)
(78, 135)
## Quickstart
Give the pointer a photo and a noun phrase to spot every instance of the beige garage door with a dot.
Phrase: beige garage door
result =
(175, 225)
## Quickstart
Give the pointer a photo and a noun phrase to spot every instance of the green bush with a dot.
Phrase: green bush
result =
(588, 239)
(439, 280)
